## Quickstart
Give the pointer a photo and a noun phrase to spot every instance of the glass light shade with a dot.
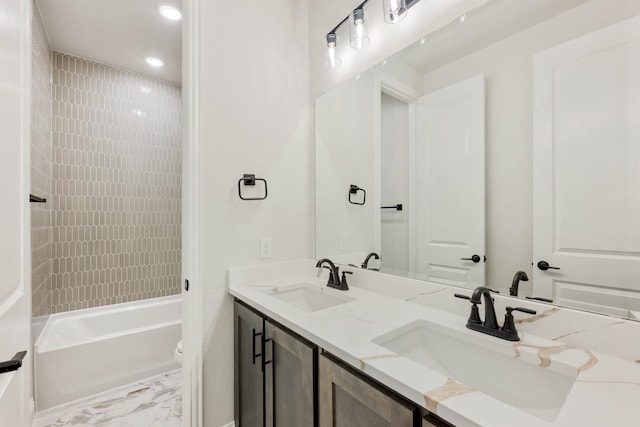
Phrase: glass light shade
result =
(394, 10)
(333, 59)
(358, 33)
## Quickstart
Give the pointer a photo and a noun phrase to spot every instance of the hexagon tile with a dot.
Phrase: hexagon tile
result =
(116, 189)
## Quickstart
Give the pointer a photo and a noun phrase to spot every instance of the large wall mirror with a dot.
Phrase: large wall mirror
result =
(502, 149)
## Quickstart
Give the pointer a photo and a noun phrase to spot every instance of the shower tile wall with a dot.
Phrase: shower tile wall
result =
(41, 233)
(116, 185)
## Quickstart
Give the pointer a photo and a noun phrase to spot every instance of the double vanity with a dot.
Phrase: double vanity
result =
(396, 351)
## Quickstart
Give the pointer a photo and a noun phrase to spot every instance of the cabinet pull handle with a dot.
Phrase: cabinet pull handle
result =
(266, 362)
(253, 341)
(264, 353)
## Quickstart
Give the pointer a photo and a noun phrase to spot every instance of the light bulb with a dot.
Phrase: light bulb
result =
(154, 62)
(358, 29)
(333, 53)
(170, 12)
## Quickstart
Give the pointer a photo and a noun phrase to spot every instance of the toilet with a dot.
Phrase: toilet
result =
(178, 353)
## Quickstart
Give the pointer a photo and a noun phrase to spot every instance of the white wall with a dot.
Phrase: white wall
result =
(346, 131)
(507, 66)
(254, 118)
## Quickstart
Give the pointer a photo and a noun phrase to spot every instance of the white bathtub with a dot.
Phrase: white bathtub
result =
(84, 352)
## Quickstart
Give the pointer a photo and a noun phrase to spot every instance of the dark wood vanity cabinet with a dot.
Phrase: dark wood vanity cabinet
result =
(281, 380)
(275, 381)
(348, 399)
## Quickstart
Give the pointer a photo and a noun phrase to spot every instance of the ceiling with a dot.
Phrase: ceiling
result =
(120, 33)
(482, 27)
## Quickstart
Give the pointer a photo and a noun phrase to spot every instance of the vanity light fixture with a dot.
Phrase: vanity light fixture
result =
(394, 10)
(171, 12)
(358, 29)
(154, 62)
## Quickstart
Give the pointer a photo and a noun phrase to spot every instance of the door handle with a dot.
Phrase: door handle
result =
(253, 346)
(14, 364)
(474, 258)
(544, 266)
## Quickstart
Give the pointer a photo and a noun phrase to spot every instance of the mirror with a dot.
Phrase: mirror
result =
(512, 134)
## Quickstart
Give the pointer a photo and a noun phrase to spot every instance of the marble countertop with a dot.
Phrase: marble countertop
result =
(605, 391)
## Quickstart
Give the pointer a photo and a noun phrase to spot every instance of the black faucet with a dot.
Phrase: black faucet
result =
(519, 276)
(334, 275)
(366, 260)
(490, 320)
(490, 324)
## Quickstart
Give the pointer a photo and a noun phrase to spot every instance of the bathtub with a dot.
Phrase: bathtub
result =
(85, 352)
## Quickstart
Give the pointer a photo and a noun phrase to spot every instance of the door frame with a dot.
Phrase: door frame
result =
(407, 94)
(192, 321)
(20, 299)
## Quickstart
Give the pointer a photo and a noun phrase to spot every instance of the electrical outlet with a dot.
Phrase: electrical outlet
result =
(265, 247)
(342, 241)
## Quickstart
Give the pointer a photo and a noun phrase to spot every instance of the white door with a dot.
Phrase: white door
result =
(587, 170)
(15, 48)
(450, 185)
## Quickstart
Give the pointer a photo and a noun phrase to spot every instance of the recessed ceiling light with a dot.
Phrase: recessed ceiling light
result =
(154, 62)
(170, 12)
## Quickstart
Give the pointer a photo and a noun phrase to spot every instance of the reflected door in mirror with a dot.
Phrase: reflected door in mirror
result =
(587, 171)
(450, 171)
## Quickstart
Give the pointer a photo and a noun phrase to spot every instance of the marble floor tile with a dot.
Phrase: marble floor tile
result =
(156, 402)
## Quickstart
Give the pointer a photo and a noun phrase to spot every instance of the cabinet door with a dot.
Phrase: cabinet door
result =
(289, 380)
(433, 421)
(348, 400)
(248, 367)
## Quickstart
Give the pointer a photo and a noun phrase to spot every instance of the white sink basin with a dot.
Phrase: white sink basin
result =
(472, 361)
(308, 297)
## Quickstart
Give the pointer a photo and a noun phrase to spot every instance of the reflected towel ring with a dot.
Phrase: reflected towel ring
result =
(354, 189)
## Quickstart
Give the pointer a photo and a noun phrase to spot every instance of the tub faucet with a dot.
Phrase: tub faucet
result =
(365, 264)
(334, 274)
(519, 276)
